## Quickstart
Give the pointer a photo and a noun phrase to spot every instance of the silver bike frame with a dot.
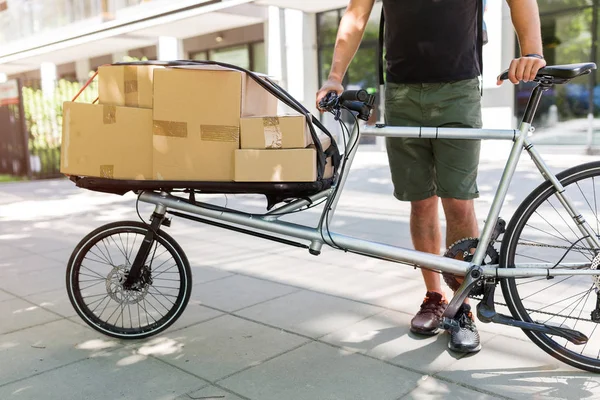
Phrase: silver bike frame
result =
(320, 235)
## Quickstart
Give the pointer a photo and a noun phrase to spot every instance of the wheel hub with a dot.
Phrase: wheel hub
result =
(114, 285)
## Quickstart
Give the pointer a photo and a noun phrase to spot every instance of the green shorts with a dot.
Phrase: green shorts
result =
(422, 168)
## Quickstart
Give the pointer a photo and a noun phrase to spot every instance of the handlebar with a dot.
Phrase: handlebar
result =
(354, 100)
(354, 95)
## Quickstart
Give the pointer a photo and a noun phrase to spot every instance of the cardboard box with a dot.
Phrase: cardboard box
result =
(283, 165)
(106, 141)
(280, 132)
(197, 118)
(126, 85)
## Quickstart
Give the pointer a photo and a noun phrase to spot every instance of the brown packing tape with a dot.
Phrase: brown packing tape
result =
(170, 128)
(107, 171)
(130, 84)
(109, 114)
(219, 133)
(272, 132)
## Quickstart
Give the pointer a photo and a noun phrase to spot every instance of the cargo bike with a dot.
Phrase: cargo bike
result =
(131, 280)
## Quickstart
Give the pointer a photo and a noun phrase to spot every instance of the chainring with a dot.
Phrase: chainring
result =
(463, 249)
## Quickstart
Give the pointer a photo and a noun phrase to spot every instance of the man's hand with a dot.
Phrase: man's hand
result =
(331, 85)
(524, 69)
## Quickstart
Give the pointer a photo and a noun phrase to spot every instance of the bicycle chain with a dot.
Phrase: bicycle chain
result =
(527, 309)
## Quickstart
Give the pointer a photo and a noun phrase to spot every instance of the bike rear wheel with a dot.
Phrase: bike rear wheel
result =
(542, 231)
(100, 264)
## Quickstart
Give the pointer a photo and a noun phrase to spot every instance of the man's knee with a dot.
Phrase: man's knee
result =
(456, 208)
(421, 208)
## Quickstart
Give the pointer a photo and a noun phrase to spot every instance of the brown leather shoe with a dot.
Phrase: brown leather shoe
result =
(427, 319)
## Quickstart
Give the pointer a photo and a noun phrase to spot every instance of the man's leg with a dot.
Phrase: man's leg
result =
(426, 236)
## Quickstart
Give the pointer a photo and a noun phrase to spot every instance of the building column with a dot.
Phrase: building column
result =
(82, 69)
(169, 48)
(48, 75)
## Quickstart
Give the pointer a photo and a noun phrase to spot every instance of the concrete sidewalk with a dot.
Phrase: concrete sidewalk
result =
(266, 321)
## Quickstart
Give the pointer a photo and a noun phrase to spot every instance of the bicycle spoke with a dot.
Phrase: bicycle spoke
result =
(541, 290)
(103, 258)
(102, 300)
(567, 306)
(121, 251)
(87, 287)
(107, 252)
(533, 258)
(553, 227)
(162, 272)
(166, 308)
(133, 246)
(561, 217)
(586, 200)
(560, 301)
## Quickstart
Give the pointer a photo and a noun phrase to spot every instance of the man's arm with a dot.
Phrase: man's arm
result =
(526, 20)
(350, 34)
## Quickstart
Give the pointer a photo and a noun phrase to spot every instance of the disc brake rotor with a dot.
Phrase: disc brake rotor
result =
(114, 286)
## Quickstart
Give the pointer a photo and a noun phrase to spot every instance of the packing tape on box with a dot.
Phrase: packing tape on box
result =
(219, 133)
(170, 128)
(107, 171)
(130, 84)
(109, 114)
(272, 132)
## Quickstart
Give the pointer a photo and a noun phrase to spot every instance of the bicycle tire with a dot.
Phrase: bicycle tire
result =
(507, 255)
(95, 321)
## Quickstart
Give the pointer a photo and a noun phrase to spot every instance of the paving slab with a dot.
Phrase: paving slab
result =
(117, 374)
(219, 347)
(311, 314)
(236, 292)
(429, 388)
(45, 347)
(318, 371)
(28, 263)
(34, 282)
(210, 393)
(206, 274)
(520, 370)
(8, 252)
(56, 301)
(387, 336)
(6, 296)
(17, 314)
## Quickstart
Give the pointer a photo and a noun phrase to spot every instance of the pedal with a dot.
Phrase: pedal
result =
(449, 324)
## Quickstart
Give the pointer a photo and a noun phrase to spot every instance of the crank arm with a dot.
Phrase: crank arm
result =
(487, 314)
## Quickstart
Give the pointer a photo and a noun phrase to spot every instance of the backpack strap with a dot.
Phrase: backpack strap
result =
(380, 58)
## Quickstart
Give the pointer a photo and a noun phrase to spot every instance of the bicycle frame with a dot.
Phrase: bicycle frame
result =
(318, 236)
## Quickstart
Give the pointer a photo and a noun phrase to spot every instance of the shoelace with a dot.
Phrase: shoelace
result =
(429, 307)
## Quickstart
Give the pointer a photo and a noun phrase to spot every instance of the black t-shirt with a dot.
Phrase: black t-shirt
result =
(432, 40)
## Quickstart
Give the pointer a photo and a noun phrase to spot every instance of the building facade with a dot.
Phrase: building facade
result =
(49, 40)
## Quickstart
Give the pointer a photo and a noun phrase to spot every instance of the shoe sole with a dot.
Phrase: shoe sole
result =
(425, 333)
(464, 349)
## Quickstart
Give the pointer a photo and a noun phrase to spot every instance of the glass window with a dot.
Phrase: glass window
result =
(259, 58)
(550, 6)
(567, 39)
(200, 56)
(238, 55)
(328, 23)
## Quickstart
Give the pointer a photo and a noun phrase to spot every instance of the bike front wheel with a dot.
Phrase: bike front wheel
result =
(542, 233)
(100, 264)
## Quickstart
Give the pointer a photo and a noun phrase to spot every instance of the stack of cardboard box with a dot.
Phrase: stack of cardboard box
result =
(185, 124)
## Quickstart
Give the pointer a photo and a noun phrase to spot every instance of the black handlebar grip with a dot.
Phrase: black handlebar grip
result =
(504, 76)
(354, 95)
